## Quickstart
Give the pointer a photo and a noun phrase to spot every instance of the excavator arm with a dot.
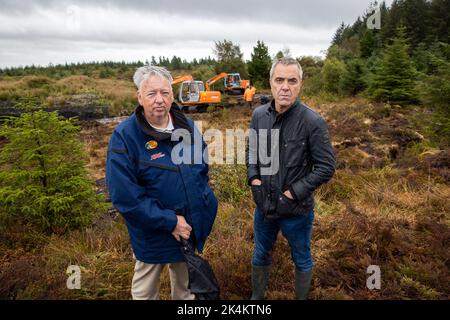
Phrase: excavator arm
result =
(179, 79)
(211, 81)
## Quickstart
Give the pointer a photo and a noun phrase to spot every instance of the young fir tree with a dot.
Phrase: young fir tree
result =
(435, 88)
(43, 178)
(259, 66)
(353, 79)
(435, 92)
(367, 43)
(393, 79)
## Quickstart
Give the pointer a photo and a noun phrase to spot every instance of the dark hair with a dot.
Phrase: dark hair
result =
(286, 61)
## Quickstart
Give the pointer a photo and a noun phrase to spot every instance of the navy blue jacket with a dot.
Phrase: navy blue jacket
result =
(149, 189)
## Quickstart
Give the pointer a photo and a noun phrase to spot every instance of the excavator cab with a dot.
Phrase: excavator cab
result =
(232, 80)
(190, 91)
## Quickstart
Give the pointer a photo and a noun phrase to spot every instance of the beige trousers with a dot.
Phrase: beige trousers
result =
(146, 281)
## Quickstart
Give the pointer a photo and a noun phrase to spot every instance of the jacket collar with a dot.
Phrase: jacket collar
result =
(179, 122)
(272, 110)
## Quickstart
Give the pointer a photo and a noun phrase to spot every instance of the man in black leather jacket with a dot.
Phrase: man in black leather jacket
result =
(289, 155)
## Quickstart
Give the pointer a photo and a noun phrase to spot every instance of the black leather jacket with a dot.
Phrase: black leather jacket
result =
(306, 159)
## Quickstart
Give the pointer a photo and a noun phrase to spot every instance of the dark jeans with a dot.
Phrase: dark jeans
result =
(297, 231)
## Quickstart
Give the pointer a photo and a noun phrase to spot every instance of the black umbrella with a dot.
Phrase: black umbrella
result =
(202, 281)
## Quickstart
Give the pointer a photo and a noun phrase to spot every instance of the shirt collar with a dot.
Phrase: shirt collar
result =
(169, 128)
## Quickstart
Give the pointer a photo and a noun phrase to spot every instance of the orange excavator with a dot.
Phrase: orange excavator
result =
(232, 82)
(192, 94)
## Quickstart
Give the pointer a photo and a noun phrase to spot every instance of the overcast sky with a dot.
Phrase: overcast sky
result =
(43, 32)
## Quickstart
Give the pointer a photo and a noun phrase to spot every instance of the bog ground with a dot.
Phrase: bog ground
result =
(387, 205)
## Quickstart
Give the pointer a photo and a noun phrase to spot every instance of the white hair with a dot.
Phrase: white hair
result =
(286, 61)
(145, 72)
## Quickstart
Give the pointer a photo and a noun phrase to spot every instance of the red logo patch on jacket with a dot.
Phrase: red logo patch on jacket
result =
(157, 156)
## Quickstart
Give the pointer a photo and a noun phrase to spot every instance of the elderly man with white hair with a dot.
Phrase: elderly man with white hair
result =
(161, 198)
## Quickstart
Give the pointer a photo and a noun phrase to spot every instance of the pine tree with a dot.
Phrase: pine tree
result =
(416, 20)
(44, 181)
(353, 79)
(175, 63)
(367, 43)
(259, 66)
(393, 79)
(339, 34)
(438, 89)
(440, 20)
(435, 91)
